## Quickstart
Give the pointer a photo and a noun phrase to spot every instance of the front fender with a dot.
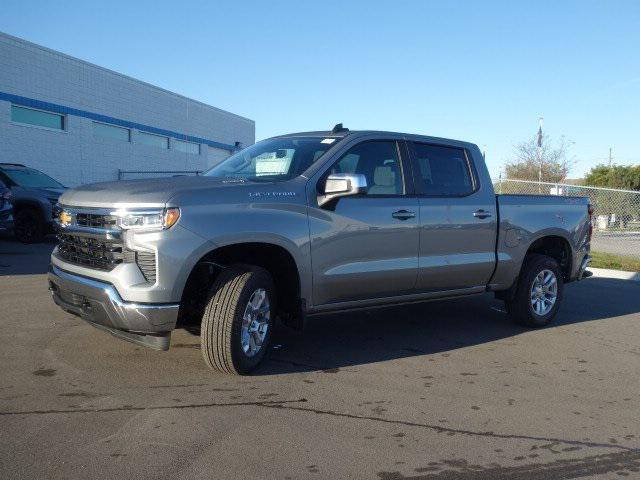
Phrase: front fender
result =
(279, 223)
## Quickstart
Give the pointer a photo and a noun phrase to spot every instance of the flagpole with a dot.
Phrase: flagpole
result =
(540, 120)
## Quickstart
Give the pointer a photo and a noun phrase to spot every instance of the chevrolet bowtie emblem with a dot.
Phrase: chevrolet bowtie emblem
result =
(65, 218)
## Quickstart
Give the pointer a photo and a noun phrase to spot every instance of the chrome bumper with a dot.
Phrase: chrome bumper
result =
(583, 272)
(100, 304)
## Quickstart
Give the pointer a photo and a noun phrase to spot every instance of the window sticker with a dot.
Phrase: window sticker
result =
(274, 163)
(328, 140)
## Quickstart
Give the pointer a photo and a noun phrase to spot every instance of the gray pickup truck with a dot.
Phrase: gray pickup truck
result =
(304, 224)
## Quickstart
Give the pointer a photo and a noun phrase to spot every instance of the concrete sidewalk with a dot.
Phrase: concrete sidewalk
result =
(617, 274)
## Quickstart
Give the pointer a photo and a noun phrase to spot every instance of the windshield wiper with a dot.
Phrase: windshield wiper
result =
(267, 178)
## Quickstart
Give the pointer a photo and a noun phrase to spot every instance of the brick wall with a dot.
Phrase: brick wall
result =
(76, 155)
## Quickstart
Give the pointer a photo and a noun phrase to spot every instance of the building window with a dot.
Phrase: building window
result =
(186, 147)
(104, 130)
(153, 140)
(39, 118)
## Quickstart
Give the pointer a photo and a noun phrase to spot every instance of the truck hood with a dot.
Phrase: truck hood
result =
(139, 193)
(52, 192)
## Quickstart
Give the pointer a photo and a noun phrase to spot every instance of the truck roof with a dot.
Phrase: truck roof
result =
(359, 133)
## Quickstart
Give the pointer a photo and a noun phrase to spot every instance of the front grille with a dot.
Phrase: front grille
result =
(92, 238)
(96, 220)
(147, 264)
(90, 252)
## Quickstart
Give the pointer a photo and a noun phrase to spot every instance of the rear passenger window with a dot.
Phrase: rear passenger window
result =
(441, 170)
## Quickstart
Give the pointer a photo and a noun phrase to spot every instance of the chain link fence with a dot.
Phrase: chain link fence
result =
(616, 218)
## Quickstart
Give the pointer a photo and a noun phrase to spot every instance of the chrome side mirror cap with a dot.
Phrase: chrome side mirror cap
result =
(340, 185)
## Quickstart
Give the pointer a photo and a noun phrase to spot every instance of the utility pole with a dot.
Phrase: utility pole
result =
(610, 157)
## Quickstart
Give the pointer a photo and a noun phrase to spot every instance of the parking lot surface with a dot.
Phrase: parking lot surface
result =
(439, 390)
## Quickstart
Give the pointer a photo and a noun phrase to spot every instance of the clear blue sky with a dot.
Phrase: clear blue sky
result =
(478, 71)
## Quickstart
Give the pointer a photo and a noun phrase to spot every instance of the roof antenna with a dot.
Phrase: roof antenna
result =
(339, 128)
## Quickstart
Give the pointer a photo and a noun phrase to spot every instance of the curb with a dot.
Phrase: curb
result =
(618, 274)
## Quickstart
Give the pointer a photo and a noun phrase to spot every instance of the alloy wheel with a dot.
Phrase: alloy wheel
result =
(255, 322)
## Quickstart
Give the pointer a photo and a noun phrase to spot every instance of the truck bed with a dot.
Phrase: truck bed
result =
(525, 218)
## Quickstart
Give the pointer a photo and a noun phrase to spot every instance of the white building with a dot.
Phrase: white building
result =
(82, 123)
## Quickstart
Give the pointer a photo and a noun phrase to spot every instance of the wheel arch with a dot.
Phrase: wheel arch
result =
(21, 204)
(278, 260)
(552, 243)
(555, 246)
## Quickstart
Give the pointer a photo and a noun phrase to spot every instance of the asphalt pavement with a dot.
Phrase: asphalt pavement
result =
(619, 243)
(440, 390)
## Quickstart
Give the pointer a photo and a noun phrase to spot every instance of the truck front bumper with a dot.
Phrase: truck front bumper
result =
(100, 304)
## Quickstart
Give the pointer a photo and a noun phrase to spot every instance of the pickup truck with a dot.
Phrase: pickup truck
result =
(304, 224)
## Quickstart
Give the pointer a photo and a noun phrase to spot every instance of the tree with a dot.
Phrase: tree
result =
(614, 176)
(527, 161)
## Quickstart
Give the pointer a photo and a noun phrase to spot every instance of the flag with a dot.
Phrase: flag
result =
(540, 136)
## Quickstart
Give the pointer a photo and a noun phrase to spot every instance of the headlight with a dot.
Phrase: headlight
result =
(60, 216)
(148, 220)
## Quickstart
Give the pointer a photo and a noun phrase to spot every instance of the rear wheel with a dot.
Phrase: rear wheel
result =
(538, 293)
(237, 322)
(29, 226)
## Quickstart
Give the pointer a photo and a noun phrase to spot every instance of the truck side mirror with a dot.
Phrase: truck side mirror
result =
(340, 185)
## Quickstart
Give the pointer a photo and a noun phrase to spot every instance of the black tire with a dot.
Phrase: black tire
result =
(29, 226)
(221, 328)
(519, 305)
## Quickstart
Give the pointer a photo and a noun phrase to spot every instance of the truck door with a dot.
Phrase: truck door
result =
(457, 219)
(366, 246)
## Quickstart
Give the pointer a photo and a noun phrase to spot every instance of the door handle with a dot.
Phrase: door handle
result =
(481, 214)
(403, 214)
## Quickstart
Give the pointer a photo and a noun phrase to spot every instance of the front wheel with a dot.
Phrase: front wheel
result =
(238, 320)
(538, 293)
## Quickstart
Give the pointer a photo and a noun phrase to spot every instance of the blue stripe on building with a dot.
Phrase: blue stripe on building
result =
(52, 107)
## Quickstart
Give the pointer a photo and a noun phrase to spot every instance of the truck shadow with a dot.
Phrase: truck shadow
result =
(331, 342)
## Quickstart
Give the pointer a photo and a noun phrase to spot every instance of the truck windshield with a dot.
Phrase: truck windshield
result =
(274, 159)
(29, 177)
